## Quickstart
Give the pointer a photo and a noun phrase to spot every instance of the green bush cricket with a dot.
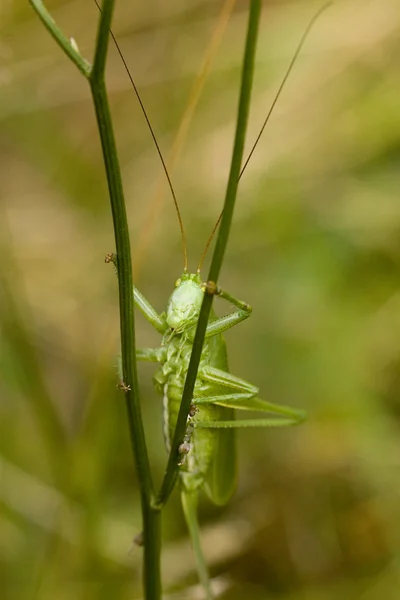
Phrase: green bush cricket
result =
(207, 453)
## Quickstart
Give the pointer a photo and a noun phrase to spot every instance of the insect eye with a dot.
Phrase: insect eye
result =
(177, 283)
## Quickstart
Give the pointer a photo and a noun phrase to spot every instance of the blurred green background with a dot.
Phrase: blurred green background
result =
(315, 248)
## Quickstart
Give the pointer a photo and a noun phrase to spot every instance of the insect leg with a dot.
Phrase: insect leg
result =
(245, 423)
(189, 505)
(149, 312)
(145, 354)
(221, 325)
(220, 377)
(249, 402)
(140, 301)
(242, 395)
(150, 354)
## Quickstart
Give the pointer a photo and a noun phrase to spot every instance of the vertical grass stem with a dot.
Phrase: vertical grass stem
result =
(220, 246)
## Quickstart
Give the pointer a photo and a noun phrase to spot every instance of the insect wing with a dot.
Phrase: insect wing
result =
(220, 481)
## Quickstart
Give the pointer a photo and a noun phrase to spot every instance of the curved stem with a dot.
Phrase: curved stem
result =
(151, 515)
(220, 247)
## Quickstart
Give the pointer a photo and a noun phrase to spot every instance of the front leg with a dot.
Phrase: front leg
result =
(221, 325)
(158, 321)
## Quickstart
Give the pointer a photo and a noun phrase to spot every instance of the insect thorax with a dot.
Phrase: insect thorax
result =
(170, 377)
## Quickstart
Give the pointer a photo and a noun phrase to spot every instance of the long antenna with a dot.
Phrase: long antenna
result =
(285, 78)
(275, 100)
(209, 242)
(178, 212)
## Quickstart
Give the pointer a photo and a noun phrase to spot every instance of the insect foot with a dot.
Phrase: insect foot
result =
(186, 446)
(183, 450)
(138, 540)
(110, 257)
(122, 386)
(211, 288)
(192, 410)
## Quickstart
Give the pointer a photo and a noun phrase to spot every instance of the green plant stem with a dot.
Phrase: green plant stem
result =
(61, 39)
(220, 247)
(151, 515)
(130, 382)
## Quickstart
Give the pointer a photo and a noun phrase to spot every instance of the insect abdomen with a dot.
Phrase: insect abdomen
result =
(210, 461)
(170, 380)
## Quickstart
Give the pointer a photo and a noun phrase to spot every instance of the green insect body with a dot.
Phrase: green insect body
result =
(207, 453)
(207, 458)
(203, 448)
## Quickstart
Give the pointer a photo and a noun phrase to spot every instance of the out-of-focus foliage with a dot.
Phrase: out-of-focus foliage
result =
(315, 248)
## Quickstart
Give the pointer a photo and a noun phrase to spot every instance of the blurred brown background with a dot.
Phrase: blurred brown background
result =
(315, 248)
